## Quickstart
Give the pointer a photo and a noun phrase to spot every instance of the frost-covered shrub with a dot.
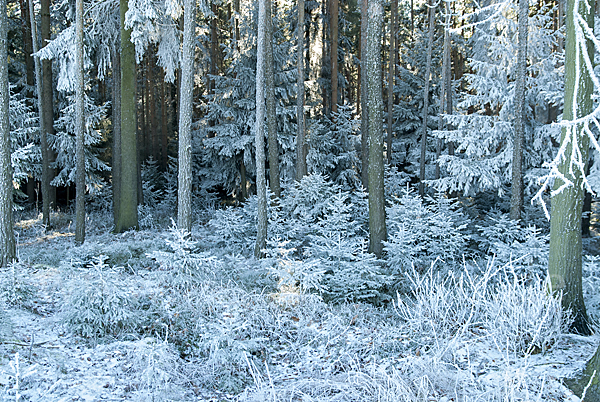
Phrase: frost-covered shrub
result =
(420, 233)
(16, 288)
(101, 304)
(522, 315)
(526, 249)
(234, 228)
(185, 263)
(155, 366)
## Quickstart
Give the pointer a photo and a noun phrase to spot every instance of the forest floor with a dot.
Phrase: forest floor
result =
(314, 351)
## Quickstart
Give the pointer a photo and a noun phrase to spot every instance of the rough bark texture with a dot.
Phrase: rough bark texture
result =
(128, 217)
(446, 90)
(578, 384)
(271, 111)
(377, 228)
(261, 185)
(426, 101)
(184, 190)
(43, 120)
(79, 129)
(116, 125)
(516, 199)
(564, 264)
(392, 76)
(364, 95)
(334, 54)
(301, 169)
(48, 97)
(7, 234)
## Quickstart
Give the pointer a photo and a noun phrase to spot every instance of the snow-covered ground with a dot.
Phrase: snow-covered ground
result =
(157, 330)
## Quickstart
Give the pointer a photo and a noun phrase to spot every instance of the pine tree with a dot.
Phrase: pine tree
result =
(301, 136)
(128, 199)
(79, 127)
(364, 95)
(261, 190)
(377, 228)
(7, 235)
(184, 193)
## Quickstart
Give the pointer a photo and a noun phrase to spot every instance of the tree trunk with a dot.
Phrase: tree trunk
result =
(446, 86)
(426, 100)
(165, 90)
(43, 120)
(7, 234)
(564, 263)
(116, 117)
(261, 189)
(334, 54)
(128, 217)
(301, 169)
(48, 103)
(377, 228)
(364, 95)
(325, 60)
(516, 199)
(213, 48)
(392, 76)
(184, 193)
(271, 111)
(79, 129)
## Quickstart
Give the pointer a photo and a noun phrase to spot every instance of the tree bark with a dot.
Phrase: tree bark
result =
(128, 217)
(364, 95)
(261, 189)
(392, 76)
(184, 193)
(377, 227)
(446, 86)
(79, 129)
(116, 117)
(271, 111)
(334, 54)
(301, 169)
(426, 100)
(516, 199)
(48, 102)
(564, 263)
(7, 234)
(43, 120)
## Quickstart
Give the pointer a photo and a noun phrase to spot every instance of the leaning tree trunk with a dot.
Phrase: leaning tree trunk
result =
(377, 228)
(271, 111)
(261, 186)
(301, 169)
(184, 190)
(426, 101)
(516, 199)
(128, 201)
(79, 129)
(7, 234)
(564, 263)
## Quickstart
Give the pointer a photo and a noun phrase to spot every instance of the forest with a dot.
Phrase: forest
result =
(299, 200)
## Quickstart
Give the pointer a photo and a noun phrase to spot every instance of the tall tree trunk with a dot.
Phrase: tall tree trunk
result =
(128, 217)
(213, 48)
(27, 47)
(446, 86)
(116, 117)
(163, 122)
(152, 132)
(7, 234)
(301, 169)
(392, 76)
(426, 100)
(516, 199)
(48, 103)
(184, 193)
(79, 129)
(334, 54)
(261, 189)
(364, 95)
(271, 111)
(564, 262)
(377, 228)
(43, 120)
(325, 61)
